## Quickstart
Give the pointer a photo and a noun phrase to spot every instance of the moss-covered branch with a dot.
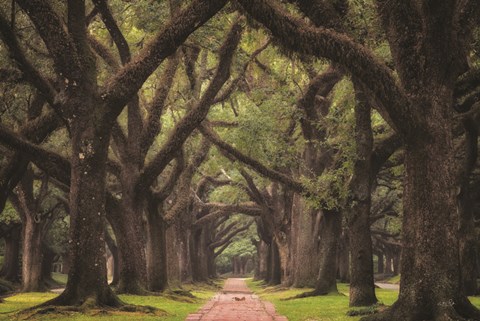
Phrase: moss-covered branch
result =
(195, 116)
(254, 164)
(121, 88)
(296, 35)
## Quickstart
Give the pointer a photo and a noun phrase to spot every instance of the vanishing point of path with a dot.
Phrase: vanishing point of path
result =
(236, 303)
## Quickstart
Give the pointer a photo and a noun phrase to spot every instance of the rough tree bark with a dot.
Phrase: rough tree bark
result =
(34, 225)
(156, 249)
(330, 231)
(362, 287)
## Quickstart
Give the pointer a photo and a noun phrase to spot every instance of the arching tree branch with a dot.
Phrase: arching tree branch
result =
(114, 30)
(195, 116)
(53, 32)
(29, 71)
(121, 88)
(383, 150)
(254, 164)
(52, 163)
(153, 125)
(296, 35)
(172, 179)
(230, 236)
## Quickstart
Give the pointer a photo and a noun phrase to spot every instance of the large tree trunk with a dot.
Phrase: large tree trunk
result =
(283, 246)
(280, 220)
(11, 264)
(305, 227)
(87, 277)
(261, 262)
(174, 251)
(330, 230)
(430, 287)
(156, 249)
(212, 268)
(362, 287)
(185, 262)
(275, 273)
(131, 245)
(199, 261)
(32, 256)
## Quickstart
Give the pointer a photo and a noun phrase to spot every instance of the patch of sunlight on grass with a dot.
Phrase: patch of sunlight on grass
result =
(322, 308)
(475, 300)
(177, 310)
(394, 280)
(60, 277)
(23, 301)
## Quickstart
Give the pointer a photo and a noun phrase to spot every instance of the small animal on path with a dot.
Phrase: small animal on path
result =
(239, 299)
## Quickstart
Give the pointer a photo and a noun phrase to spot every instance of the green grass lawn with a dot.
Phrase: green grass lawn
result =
(60, 277)
(176, 309)
(394, 280)
(324, 308)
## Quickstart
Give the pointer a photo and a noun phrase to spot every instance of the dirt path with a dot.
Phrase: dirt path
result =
(236, 303)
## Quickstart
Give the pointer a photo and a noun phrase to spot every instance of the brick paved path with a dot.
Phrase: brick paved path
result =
(236, 303)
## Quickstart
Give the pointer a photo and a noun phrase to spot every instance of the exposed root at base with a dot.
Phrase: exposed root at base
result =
(180, 296)
(459, 310)
(87, 309)
(310, 294)
(366, 310)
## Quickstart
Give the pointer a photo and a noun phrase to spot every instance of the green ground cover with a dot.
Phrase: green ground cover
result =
(322, 308)
(60, 277)
(394, 280)
(175, 307)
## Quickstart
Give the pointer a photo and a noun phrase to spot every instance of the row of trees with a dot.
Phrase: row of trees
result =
(139, 143)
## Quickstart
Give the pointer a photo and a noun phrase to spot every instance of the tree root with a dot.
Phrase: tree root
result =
(310, 294)
(451, 310)
(88, 308)
(366, 310)
(180, 296)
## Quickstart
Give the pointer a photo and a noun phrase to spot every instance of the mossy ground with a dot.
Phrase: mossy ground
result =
(171, 307)
(321, 308)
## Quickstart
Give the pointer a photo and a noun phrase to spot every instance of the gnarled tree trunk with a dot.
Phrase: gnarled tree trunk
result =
(156, 249)
(362, 287)
(32, 256)
(305, 227)
(330, 230)
(87, 277)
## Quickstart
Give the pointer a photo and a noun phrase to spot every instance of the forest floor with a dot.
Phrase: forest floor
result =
(236, 302)
(323, 308)
(172, 307)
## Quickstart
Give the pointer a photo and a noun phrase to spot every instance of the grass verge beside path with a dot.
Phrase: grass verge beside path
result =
(176, 307)
(321, 308)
